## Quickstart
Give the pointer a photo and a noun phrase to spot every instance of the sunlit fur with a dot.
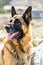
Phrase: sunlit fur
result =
(25, 43)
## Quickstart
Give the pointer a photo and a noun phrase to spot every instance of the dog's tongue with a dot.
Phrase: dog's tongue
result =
(10, 36)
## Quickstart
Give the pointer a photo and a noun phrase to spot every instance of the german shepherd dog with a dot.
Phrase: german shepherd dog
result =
(17, 50)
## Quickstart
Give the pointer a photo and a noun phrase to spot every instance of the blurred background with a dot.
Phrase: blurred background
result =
(21, 5)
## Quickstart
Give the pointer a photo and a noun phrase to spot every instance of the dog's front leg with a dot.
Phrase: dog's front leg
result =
(8, 58)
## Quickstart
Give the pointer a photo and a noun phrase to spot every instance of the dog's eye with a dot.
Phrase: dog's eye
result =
(17, 22)
(10, 21)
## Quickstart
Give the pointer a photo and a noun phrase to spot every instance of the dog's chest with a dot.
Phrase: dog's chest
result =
(15, 58)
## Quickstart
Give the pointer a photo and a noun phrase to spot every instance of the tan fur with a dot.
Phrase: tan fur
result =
(8, 58)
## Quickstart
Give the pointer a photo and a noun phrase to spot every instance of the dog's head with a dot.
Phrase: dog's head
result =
(19, 24)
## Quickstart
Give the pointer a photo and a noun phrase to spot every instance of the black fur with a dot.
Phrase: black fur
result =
(27, 15)
(13, 11)
(16, 27)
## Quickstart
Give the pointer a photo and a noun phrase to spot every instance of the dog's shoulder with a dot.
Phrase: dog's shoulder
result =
(6, 40)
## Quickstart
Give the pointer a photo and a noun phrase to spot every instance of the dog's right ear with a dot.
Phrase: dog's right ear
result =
(13, 11)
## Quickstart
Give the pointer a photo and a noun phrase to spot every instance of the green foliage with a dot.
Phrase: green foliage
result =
(2, 10)
(1, 39)
(35, 43)
(4, 2)
(1, 28)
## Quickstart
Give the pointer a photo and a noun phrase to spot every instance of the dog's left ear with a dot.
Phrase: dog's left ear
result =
(27, 16)
(13, 11)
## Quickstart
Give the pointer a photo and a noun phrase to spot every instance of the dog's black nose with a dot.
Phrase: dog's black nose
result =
(7, 27)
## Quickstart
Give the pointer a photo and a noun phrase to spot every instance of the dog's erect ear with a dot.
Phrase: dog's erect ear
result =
(13, 11)
(27, 16)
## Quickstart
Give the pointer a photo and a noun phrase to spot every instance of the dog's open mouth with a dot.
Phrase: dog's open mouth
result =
(13, 35)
